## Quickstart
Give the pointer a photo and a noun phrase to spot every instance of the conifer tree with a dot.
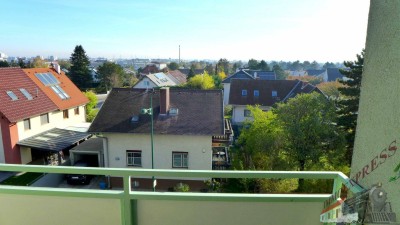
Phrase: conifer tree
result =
(80, 73)
(348, 106)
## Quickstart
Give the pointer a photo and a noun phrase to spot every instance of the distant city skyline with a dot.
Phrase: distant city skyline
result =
(288, 30)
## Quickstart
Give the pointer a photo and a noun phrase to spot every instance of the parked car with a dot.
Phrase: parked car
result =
(79, 178)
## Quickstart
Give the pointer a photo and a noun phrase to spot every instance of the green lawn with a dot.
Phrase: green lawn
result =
(22, 179)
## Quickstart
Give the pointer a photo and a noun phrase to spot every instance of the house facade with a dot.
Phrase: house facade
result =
(35, 101)
(154, 80)
(264, 93)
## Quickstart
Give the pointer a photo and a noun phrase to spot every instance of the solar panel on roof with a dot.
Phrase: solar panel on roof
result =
(47, 79)
(159, 75)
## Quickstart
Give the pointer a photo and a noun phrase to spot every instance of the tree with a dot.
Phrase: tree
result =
(111, 75)
(80, 73)
(348, 106)
(314, 80)
(252, 64)
(329, 65)
(315, 65)
(223, 65)
(331, 89)
(201, 81)
(90, 111)
(173, 66)
(38, 63)
(263, 66)
(280, 73)
(308, 127)
(64, 64)
(4, 64)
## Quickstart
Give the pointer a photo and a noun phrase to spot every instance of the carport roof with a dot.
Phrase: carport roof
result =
(90, 145)
(55, 139)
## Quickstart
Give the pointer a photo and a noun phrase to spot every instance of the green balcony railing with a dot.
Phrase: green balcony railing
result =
(127, 197)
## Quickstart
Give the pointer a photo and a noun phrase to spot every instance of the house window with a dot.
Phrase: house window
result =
(65, 114)
(274, 93)
(76, 111)
(27, 124)
(44, 119)
(256, 93)
(247, 113)
(244, 92)
(179, 159)
(134, 158)
(146, 83)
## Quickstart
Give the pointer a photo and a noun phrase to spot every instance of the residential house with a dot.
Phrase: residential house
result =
(333, 74)
(247, 75)
(177, 76)
(35, 104)
(154, 80)
(297, 73)
(317, 73)
(185, 124)
(265, 93)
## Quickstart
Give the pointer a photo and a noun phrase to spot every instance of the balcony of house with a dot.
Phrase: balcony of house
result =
(220, 148)
(45, 205)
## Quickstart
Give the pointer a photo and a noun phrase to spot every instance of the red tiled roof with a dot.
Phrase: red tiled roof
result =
(77, 98)
(12, 79)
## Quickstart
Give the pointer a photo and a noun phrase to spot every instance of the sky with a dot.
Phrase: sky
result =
(321, 30)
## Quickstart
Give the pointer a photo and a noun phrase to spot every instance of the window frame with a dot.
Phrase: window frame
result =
(183, 156)
(65, 114)
(274, 93)
(244, 92)
(76, 111)
(46, 119)
(246, 113)
(258, 93)
(27, 124)
(133, 158)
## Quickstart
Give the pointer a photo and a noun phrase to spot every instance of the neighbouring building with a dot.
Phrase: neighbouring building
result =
(154, 80)
(36, 104)
(187, 125)
(265, 93)
(245, 74)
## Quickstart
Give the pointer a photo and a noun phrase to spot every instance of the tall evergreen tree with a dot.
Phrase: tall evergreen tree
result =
(79, 72)
(348, 106)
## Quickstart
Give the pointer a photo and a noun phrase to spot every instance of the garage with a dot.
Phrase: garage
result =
(90, 151)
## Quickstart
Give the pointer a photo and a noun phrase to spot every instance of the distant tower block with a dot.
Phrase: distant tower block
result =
(377, 144)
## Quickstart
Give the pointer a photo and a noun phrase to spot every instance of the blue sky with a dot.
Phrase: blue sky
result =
(322, 30)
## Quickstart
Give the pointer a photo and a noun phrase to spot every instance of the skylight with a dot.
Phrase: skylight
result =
(60, 92)
(12, 95)
(26, 93)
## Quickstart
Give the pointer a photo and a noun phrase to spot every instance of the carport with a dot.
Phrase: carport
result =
(50, 147)
(90, 151)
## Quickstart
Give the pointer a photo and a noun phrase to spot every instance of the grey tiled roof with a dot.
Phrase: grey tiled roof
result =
(284, 89)
(315, 72)
(241, 74)
(334, 74)
(200, 112)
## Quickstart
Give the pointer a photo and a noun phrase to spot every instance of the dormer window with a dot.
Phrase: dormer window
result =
(173, 111)
(274, 94)
(244, 92)
(256, 93)
(135, 119)
(12, 95)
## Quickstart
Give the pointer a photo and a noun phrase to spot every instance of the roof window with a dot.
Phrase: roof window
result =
(26, 93)
(274, 94)
(12, 95)
(244, 92)
(256, 93)
(173, 111)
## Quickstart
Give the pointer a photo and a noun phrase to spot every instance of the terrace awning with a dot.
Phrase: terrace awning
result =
(55, 139)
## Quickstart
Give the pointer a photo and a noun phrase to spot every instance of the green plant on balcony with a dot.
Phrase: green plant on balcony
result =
(181, 187)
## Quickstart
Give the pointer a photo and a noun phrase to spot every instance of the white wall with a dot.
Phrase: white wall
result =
(238, 113)
(50, 210)
(2, 157)
(227, 88)
(198, 148)
(232, 213)
(55, 120)
(141, 84)
(26, 155)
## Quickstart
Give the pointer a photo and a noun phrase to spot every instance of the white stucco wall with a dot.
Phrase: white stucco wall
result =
(238, 113)
(55, 120)
(2, 157)
(376, 149)
(227, 88)
(198, 148)
(50, 210)
(141, 84)
(26, 155)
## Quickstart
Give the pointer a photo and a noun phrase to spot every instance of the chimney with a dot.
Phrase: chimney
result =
(164, 100)
(57, 68)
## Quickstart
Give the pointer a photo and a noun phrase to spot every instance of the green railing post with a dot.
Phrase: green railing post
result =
(126, 202)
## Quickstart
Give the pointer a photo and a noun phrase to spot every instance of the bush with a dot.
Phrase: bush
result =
(92, 114)
(181, 187)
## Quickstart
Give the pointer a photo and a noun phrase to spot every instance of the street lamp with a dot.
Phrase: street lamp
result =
(149, 111)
